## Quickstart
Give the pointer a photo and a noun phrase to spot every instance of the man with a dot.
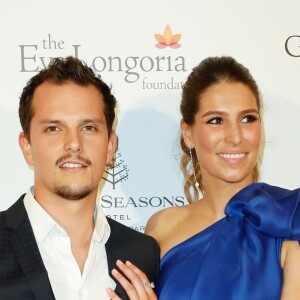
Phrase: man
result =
(55, 242)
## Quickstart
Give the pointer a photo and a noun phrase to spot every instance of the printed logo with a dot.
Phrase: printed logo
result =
(36, 56)
(116, 171)
(167, 39)
(292, 45)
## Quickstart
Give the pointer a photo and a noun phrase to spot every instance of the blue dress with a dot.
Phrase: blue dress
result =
(238, 257)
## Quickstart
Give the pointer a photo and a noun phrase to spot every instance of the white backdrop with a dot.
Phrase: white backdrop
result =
(117, 39)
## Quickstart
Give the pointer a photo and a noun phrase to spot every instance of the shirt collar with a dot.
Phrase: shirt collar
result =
(42, 223)
(102, 228)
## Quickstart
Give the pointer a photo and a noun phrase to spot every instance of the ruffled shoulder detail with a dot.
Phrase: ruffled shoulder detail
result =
(269, 209)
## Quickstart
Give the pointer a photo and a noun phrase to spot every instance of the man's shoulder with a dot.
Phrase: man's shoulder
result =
(13, 214)
(2, 218)
(115, 225)
(9, 220)
(126, 232)
(132, 245)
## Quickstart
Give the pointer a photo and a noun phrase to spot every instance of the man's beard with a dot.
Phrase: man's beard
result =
(72, 193)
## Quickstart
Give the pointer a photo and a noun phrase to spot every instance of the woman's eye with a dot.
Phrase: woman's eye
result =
(249, 119)
(215, 120)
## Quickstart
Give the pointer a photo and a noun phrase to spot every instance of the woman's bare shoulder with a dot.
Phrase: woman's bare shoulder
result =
(174, 225)
(164, 221)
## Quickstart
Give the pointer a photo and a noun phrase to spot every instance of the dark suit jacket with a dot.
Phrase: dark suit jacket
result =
(23, 275)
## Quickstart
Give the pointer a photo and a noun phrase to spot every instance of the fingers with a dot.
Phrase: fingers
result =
(112, 295)
(127, 285)
(136, 284)
(135, 287)
(144, 279)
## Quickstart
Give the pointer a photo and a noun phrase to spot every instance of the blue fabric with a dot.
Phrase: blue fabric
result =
(238, 257)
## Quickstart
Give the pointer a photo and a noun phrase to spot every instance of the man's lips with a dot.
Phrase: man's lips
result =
(67, 161)
(72, 165)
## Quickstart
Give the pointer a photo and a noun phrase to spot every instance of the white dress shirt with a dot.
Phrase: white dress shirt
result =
(54, 244)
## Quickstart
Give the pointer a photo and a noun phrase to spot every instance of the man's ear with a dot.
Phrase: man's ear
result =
(186, 134)
(112, 144)
(26, 148)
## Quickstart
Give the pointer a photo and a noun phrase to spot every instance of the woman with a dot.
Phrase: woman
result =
(240, 241)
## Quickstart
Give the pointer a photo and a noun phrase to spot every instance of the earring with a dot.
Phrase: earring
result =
(193, 169)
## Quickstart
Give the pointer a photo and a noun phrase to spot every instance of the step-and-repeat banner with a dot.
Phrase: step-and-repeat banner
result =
(146, 49)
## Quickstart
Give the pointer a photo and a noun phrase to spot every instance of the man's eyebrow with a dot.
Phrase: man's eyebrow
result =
(93, 120)
(49, 121)
(83, 121)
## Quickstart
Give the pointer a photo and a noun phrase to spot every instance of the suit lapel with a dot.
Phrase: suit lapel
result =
(25, 248)
(111, 252)
(114, 252)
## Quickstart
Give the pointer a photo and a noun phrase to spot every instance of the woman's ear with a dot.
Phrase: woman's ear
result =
(26, 148)
(186, 134)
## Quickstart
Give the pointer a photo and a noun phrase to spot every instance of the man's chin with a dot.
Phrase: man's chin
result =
(72, 193)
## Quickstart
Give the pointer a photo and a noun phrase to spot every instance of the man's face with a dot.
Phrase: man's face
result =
(69, 144)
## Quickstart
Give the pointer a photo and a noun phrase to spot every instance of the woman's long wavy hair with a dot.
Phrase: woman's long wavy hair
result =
(210, 71)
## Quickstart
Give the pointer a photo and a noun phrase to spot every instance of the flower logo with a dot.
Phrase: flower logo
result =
(167, 39)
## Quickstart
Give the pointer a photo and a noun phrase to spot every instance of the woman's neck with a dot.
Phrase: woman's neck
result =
(218, 193)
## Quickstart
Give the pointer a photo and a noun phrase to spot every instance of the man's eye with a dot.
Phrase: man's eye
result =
(52, 129)
(249, 119)
(215, 120)
(89, 128)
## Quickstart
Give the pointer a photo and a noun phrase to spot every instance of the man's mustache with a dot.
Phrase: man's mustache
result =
(69, 156)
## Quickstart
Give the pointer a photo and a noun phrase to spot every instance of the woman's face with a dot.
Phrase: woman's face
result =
(226, 133)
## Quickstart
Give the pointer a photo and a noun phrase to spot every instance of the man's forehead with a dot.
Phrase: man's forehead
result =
(69, 95)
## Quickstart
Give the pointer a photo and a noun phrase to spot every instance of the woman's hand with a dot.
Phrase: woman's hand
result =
(137, 287)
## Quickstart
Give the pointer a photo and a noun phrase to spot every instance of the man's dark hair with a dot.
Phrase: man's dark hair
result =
(59, 71)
